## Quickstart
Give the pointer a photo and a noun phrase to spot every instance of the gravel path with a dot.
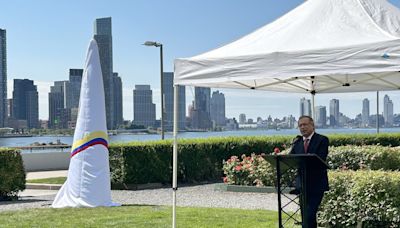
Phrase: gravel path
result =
(193, 196)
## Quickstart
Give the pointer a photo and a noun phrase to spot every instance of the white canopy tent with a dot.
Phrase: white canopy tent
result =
(322, 46)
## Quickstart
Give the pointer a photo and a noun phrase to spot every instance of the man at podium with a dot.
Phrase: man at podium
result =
(311, 142)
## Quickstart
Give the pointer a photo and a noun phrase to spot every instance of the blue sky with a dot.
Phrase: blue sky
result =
(46, 38)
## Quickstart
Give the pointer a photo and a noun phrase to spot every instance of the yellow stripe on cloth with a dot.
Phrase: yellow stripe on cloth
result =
(88, 137)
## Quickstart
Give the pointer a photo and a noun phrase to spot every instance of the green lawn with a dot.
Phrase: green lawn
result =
(138, 216)
(53, 180)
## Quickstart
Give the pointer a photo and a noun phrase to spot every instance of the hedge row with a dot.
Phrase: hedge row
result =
(201, 159)
(12, 174)
(364, 198)
(371, 157)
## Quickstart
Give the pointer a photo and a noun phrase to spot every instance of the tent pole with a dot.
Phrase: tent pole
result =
(175, 157)
(377, 112)
(313, 105)
(312, 97)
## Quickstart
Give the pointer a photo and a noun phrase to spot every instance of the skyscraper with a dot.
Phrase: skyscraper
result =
(320, 116)
(201, 111)
(242, 118)
(25, 102)
(144, 110)
(168, 89)
(118, 107)
(3, 78)
(217, 110)
(388, 111)
(334, 113)
(74, 90)
(58, 113)
(365, 113)
(305, 107)
(103, 37)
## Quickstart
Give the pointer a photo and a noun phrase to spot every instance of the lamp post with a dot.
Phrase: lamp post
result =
(155, 44)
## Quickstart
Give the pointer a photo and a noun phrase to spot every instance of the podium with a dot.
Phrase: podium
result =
(285, 164)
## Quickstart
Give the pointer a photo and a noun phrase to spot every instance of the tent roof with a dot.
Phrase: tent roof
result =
(321, 46)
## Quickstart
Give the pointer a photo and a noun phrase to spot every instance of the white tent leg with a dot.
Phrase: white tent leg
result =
(313, 105)
(175, 157)
(377, 112)
(312, 97)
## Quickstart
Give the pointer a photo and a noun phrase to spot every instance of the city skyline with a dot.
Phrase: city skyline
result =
(58, 39)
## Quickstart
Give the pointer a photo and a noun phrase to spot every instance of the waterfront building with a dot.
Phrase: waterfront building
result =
(144, 110)
(242, 118)
(118, 104)
(365, 113)
(168, 90)
(320, 116)
(25, 105)
(334, 113)
(217, 110)
(201, 118)
(3, 77)
(103, 37)
(72, 93)
(305, 107)
(388, 111)
(59, 115)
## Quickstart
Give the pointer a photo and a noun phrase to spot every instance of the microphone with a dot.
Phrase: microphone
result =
(298, 137)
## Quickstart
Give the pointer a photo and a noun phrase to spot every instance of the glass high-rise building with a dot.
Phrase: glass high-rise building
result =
(365, 113)
(168, 90)
(103, 37)
(334, 113)
(25, 102)
(217, 110)
(388, 111)
(242, 118)
(144, 110)
(320, 116)
(305, 107)
(58, 113)
(3, 78)
(118, 106)
(74, 91)
(201, 111)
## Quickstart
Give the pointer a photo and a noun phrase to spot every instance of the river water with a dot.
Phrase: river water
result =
(25, 141)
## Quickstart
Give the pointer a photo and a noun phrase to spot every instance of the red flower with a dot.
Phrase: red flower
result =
(225, 179)
(238, 167)
(277, 150)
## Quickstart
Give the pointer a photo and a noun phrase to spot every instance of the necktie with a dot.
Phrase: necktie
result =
(306, 141)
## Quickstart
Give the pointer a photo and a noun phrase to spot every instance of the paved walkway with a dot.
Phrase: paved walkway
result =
(191, 196)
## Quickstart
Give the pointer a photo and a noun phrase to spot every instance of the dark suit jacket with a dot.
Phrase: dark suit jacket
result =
(317, 177)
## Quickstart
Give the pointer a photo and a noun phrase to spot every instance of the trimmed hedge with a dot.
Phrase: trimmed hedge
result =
(364, 157)
(12, 174)
(368, 197)
(201, 159)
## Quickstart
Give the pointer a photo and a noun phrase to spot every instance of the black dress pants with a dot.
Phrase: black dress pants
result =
(313, 201)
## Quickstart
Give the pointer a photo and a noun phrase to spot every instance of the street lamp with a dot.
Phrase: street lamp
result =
(155, 44)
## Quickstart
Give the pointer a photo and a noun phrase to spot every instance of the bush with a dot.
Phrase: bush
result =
(253, 170)
(200, 159)
(373, 157)
(368, 197)
(12, 174)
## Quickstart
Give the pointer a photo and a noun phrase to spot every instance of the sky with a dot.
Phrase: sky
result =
(46, 38)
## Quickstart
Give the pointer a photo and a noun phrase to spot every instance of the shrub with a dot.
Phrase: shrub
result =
(372, 157)
(200, 159)
(368, 197)
(12, 174)
(253, 170)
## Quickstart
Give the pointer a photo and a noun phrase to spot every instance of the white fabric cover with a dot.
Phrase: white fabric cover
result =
(88, 182)
(347, 45)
